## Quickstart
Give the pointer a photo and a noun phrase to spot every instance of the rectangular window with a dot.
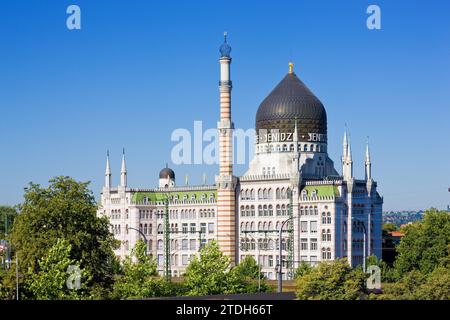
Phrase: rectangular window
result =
(160, 259)
(192, 244)
(304, 244)
(304, 258)
(184, 244)
(192, 227)
(304, 226)
(203, 228)
(313, 226)
(313, 244)
(184, 259)
(210, 227)
(202, 243)
(185, 227)
(270, 261)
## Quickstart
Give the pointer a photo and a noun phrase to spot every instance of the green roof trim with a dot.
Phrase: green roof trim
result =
(156, 196)
(323, 191)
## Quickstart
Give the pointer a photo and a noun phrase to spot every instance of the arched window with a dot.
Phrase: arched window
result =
(328, 217)
(278, 194)
(160, 244)
(253, 194)
(278, 210)
(260, 194)
(260, 212)
(270, 194)
(324, 218)
(270, 210)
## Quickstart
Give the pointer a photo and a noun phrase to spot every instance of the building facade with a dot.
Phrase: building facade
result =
(291, 185)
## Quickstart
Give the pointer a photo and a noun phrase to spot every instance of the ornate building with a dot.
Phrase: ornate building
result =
(291, 184)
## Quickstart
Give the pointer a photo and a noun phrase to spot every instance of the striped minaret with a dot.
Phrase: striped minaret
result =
(226, 183)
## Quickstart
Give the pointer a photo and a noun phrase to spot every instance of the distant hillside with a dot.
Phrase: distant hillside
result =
(402, 217)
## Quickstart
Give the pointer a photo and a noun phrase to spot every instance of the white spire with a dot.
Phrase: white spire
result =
(107, 172)
(347, 163)
(345, 145)
(368, 163)
(123, 171)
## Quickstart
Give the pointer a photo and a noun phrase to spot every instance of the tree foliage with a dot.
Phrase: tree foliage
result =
(50, 281)
(137, 279)
(334, 280)
(425, 244)
(7, 216)
(247, 277)
(413, 285)
(66, 209)
(208, 274)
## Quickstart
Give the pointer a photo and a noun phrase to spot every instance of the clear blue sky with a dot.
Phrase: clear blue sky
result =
(137, 70)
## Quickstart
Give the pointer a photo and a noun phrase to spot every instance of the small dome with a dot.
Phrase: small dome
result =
(225, 48)
(167, 173)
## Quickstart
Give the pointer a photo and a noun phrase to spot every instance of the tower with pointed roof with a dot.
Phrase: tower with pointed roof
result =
(226, 182)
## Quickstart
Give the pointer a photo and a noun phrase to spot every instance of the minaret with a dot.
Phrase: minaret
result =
(226, 182)
(107, 172)
(123, 171)
(368, 163)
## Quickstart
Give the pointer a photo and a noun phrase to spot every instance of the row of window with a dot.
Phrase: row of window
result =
(247, 244)
(116, 214)
(290, 148)
(264, 210)
(173, 214)
(265, 194)
(261, 226)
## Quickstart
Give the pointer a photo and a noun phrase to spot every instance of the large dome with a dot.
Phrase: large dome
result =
(291, 100)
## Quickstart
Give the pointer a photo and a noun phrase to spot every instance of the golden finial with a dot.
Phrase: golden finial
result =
(291, 67)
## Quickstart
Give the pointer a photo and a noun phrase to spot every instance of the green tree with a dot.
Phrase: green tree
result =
(334, 280)
(208, 274)
(246, 277)
(66, 209)
(137, 279)
(413, 285)
(425, 244)
(302, 269)
(50, 282)
(7, 216)
(389, 227)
